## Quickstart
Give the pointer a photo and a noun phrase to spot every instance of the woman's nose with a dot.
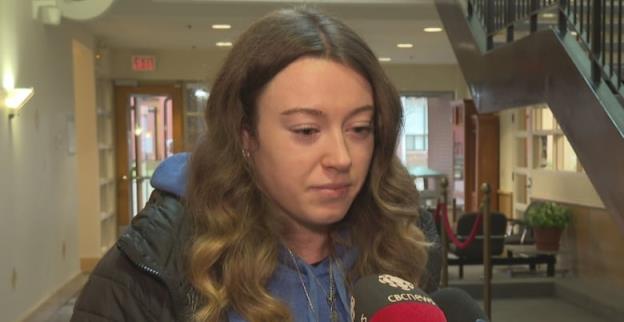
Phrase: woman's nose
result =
(337, 154)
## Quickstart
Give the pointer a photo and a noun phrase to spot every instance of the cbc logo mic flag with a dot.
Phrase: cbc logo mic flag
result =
(374, 292)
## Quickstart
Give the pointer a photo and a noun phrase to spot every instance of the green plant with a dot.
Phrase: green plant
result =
(548, 215)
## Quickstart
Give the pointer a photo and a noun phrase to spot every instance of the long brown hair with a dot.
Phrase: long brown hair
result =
(235, 246)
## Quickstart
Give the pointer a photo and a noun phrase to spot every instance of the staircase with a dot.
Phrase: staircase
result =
(510, 58)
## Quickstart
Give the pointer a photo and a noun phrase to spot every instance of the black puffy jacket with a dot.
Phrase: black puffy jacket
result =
(142, 277)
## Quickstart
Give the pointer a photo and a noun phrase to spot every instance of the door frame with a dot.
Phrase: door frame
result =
(122, 97)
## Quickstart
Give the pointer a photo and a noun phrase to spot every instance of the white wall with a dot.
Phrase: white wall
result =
(38, 217)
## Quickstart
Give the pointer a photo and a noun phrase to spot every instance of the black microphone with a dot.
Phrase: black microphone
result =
(387, 298)
(458, 306)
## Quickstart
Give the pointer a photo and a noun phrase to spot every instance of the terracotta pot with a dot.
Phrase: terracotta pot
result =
(547, 239)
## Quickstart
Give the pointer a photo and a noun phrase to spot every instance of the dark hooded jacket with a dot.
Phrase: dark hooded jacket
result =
(142, 277)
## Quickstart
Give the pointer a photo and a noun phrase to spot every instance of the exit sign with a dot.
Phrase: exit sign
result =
(143, 63)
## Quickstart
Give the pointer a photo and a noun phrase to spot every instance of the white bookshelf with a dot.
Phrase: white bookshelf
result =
(106, 150)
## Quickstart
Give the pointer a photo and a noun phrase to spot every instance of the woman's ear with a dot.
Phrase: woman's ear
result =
(249, 141)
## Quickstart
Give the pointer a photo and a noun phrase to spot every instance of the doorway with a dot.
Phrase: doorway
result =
(149, 128)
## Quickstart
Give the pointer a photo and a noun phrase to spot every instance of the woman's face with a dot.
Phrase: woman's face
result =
(314, 141)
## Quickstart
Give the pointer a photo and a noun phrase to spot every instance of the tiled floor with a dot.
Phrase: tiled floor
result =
(540, 309)
(64, 313)
(507, 310)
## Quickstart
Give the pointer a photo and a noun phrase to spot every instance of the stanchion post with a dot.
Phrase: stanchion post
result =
(487, 254)
(454, 210)
(443, 237)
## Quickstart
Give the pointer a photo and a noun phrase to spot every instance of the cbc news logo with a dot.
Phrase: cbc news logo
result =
(396, 282)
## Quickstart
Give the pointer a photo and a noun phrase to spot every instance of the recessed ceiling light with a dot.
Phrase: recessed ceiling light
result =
(385, 59)
(573, 33)
(432, 29)
(549, 15)
(221, 26)
(224, 44)
(405, 45)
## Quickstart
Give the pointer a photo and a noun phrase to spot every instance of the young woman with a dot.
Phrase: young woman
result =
(293, 193)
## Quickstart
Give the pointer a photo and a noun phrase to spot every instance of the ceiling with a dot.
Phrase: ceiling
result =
(186, 24)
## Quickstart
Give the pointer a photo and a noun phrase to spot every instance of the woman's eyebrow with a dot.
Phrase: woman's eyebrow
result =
(303, 110)
(316, 112)
(361, 109)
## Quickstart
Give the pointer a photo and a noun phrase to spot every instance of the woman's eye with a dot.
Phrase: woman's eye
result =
(306, 131)
(362, 130)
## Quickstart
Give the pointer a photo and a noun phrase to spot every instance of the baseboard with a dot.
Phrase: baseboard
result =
(87, 264)
(46, 308)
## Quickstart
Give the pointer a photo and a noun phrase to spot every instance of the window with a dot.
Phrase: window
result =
(416, 129)
(551, 149)
(415, 142)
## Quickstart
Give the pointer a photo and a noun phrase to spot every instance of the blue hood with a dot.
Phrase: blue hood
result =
(170, 175)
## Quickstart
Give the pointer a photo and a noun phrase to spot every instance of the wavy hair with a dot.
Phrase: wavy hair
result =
(234, 250)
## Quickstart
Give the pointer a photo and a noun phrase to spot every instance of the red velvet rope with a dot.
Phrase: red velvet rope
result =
(449, 231)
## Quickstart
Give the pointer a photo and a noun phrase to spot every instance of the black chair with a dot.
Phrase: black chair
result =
(473, 253)
(518, 231)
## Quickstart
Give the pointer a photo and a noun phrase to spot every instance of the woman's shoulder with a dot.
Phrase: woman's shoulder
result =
(118, 290)
(140, 278)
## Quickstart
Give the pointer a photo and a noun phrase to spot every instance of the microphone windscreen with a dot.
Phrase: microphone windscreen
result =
(458, 306)
(387, 298)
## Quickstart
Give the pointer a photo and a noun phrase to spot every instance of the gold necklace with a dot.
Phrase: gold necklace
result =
(331, 296)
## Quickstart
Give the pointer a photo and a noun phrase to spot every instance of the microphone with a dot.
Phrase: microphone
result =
(387, 298)
(458, 306)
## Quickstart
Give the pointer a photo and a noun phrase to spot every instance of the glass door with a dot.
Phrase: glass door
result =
(149, 129)
(150, 141)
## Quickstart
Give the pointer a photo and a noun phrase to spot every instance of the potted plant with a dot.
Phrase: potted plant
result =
(548, 220)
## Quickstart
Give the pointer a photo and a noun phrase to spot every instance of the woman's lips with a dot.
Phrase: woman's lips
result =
(334, 190)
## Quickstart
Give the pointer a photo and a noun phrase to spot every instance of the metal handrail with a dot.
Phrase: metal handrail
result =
(497, 15)
(598, 26)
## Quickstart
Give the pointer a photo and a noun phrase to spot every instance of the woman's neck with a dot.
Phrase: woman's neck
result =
(311, 246)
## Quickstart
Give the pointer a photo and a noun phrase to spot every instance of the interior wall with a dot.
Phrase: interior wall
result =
(39, 230)
(171, 65)
(592, 247)
(202, 65)
(428, 78)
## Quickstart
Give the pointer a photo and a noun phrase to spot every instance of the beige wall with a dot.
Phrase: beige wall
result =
(171, 65)
(38, 203)
(202, 65)
(592, 247)
(428, 78)
(566, 187)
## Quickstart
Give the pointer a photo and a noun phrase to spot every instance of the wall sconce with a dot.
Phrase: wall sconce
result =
(15, 98)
